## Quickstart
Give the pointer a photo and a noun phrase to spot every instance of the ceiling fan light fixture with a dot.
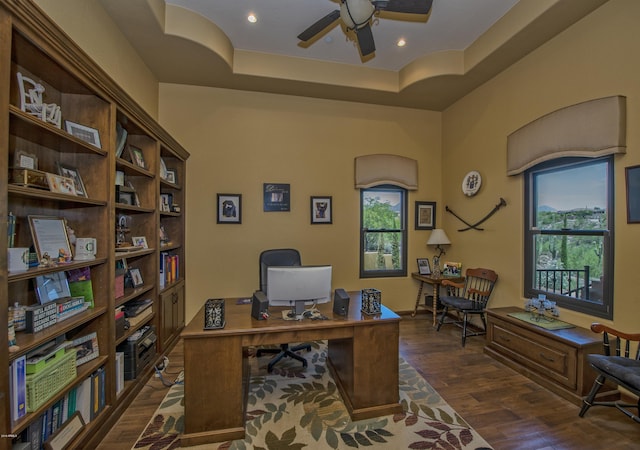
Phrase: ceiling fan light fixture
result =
(356, 13)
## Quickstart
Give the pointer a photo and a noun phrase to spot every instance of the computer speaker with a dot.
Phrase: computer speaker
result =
(259, 306)
(341, 302)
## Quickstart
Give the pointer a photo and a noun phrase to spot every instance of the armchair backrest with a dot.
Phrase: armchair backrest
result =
(478, 285)
(277, 257)
(622, 341)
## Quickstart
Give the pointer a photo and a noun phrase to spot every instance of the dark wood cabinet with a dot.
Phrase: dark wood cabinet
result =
(555, 359)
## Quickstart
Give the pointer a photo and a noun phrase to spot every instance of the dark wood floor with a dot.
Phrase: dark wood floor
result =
(507, 409)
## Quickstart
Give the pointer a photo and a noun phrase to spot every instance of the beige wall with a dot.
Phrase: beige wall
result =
(87, 23)
(240, 140)
(595, 58)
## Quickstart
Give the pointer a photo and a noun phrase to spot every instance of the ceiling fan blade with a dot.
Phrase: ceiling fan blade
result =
(365, 40)
(320, 25)
(404, 6)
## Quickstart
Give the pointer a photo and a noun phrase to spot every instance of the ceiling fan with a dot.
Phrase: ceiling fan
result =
(356, 15)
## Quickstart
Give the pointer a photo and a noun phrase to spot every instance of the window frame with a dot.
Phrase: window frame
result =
(403, 232)
(605, 309)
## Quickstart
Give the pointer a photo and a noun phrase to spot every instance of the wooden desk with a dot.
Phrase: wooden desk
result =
(362, 354)
(435, 282)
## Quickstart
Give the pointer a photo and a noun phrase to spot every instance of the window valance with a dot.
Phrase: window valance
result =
(592, 128)
(372, 170)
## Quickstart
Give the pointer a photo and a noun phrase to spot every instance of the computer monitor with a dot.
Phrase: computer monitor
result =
(297, 286)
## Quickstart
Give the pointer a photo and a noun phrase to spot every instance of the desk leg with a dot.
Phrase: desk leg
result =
(213, 390)
(436, 292)
(415, 309)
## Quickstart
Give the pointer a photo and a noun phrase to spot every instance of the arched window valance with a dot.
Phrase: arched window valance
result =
(373, 170)
(593, 128)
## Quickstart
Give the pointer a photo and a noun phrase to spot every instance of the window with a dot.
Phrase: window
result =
(383, 235)
(569, 234)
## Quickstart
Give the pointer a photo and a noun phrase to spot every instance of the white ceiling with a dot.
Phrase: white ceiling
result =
(452, 25)
(462, 44)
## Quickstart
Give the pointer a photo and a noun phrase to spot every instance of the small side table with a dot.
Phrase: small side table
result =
(435, 282)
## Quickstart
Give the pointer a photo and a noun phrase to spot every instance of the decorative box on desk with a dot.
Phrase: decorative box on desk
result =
(555, 359)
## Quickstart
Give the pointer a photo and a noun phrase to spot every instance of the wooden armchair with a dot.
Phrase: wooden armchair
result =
(619, 368)
(467, 298)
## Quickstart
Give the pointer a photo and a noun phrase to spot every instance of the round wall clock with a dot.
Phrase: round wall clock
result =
(471, 183)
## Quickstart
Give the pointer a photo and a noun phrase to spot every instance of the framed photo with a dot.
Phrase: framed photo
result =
(61, 184)
(51, 287)
(87, 134)
(25, 160)
(62, 438)
(423, 266)
(136, 277)
(277, 197)
(139, 241)
(321, 210)
(632, 177)
(126, 198)
(425, 215)
(86, 348)
(136, 155)
(171, 176)
(50, 236)
(229, 208)
(71, 172)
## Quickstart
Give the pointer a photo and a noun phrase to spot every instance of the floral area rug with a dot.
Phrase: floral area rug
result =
(296, 408)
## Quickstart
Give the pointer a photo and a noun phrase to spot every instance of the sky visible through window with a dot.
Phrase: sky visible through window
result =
(580, 187)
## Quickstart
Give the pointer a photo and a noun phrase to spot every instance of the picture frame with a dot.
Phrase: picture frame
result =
(126, 198)
(72, 172)
(424, 267)
(139, 241)
(86, 348)
(229, 208)
(51, 287)
(50, 236)
(83, 132)
(172, 176)
(277, 197)
(321, 210)
(425, 215)
(136, 155)
(61, 184)
(64, 436)
(632, 181)
(136, 277)
(25, 160)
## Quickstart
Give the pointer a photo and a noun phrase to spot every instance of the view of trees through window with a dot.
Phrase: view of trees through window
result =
(569, 231)
(383, 232)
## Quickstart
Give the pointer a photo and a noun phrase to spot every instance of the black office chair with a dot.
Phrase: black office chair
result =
(280, 257)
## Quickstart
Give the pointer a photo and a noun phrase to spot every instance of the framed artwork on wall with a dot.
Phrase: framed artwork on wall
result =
(277, 197)
(632, 177)
(321, 210)
(425, 215)
(229, 208)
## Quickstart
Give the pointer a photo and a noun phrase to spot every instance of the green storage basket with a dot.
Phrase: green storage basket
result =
(43, 385)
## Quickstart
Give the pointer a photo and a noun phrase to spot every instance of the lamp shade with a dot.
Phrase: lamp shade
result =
(355, 13)
(438, 237)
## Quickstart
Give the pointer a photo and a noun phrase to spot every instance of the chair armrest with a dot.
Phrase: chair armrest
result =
(480, 293)
(452, 283)
(600, 328)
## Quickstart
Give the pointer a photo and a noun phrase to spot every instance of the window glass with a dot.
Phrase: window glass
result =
(383, 232)
(567, 235)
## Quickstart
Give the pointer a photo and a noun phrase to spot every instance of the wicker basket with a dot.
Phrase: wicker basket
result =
(46, 383)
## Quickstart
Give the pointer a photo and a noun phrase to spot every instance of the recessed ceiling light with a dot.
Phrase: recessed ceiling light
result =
(401, 42)
(252, 18)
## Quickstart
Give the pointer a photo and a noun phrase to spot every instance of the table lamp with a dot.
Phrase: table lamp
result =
(438, 238)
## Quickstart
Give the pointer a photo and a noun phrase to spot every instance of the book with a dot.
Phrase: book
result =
(119, 372)
(18, 380)
(83, 399)
(80, 284)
